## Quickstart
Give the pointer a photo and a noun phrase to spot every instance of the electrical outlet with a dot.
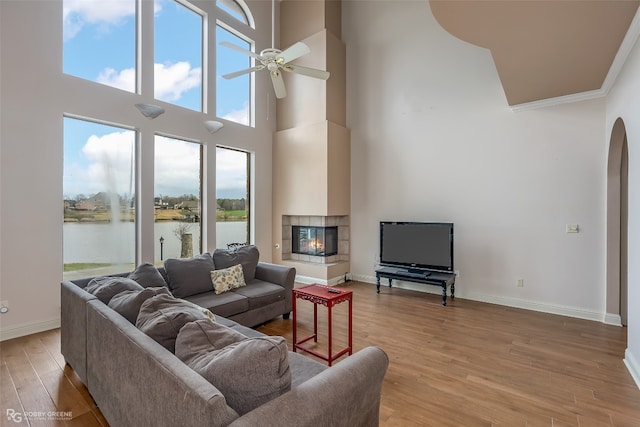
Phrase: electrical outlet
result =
(520, 283)
(4, 306)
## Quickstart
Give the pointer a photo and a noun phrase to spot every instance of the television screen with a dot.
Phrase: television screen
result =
(425, 245)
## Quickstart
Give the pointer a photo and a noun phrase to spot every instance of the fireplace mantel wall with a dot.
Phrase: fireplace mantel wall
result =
(312, 146)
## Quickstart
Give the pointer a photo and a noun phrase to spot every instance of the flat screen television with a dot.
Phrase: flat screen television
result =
(417, 245)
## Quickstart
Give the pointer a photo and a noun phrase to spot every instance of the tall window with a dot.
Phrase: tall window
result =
(178, 55)
(232, 194)
(99, 199)
(232, 95)
(178, 198)
(100, 41)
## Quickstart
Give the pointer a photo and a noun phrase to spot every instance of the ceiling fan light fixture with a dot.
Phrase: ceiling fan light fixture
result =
(150, 111)
(213, 126)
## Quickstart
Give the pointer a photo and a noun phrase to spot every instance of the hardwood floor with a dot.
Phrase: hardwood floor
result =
(467, 364)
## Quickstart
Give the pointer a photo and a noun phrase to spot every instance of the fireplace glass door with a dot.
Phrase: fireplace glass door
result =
(318, 241)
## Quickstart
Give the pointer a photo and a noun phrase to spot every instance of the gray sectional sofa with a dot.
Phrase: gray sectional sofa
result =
(137, 381)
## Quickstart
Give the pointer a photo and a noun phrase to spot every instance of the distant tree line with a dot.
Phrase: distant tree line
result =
(232, 204)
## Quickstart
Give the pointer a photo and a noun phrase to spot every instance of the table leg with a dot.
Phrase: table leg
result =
(453, 289)
(295, 339)
(330, 355)
(315, 322)
(377, 284)
(444, 293)
(350, 326)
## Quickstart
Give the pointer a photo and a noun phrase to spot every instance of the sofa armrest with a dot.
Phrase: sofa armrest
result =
(282, 275)
(347, 394)
(73, 327)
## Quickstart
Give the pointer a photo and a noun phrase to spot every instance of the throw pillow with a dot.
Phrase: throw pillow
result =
(128, 303)
(248, 256)
(189, 276)
(105, 288)
(249, 372)
(228, 278)
(162, 316)
(148, 276)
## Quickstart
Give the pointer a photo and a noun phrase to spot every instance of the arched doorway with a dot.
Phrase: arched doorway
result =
(617, 220)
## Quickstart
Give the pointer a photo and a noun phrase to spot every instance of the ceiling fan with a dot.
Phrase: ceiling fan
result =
(274, 60)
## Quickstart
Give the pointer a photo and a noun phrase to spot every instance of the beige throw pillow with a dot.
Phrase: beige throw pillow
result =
(227, 278)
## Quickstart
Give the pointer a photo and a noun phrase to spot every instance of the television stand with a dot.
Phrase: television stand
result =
(411, 275)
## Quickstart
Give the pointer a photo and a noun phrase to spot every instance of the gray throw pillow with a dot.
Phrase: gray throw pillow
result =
(128, 303)
(248, 256)
(105, 288)
(189, 276)
(148, 276)
(162, 316)
(248, 372)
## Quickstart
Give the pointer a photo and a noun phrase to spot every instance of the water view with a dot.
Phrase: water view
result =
(112, 243)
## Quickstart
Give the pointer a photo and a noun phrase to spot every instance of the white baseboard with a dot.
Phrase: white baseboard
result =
(29, 328)
(306, 280)
(632, 366)
(612, 319)
(562, 310)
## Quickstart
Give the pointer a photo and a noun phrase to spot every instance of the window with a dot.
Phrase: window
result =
(99, 199)
(101, 159)
(178, 199)
(232, 194)
(99, 41)
(178, 55)
(234, 9)
(232, 95)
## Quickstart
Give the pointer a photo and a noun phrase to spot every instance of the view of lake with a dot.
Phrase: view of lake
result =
(113, 243)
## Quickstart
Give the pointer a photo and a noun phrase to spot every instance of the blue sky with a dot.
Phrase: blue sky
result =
(99, 45)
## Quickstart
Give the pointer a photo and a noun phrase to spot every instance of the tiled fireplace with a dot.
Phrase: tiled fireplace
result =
(315, 239)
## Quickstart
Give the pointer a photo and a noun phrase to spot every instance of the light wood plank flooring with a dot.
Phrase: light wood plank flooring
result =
(467, 364)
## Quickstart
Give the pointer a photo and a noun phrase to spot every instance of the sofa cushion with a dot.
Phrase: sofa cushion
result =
(249, 372)
(105, 288)
(162, 316)
(148, 276)
(189, 276)
(226, 279)
(128, 303)
(248, 256)
(226, 304)
(260, 293)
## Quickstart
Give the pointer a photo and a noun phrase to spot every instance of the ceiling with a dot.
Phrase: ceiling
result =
(542, 49)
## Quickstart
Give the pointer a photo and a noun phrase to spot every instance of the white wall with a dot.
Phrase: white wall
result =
(624, 102)
(34, 96)
(433, 139)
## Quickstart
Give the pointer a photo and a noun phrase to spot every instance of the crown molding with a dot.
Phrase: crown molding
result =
(616, 66)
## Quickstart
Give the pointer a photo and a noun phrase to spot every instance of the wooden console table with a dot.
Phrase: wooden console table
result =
(327, 296)
(433, 278)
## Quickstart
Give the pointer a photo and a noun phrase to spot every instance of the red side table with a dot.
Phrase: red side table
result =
(328, 297)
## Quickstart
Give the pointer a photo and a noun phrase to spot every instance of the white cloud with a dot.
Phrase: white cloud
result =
(172, 80)
(239, 116)
(106, 13)
(177, 167)
(125, 79)
(231, 177)
(110, 163)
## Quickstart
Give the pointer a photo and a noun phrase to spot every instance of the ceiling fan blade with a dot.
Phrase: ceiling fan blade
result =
(242, 72)
(240, 49)
(278, 84)
(306, 71)
(293, 52)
